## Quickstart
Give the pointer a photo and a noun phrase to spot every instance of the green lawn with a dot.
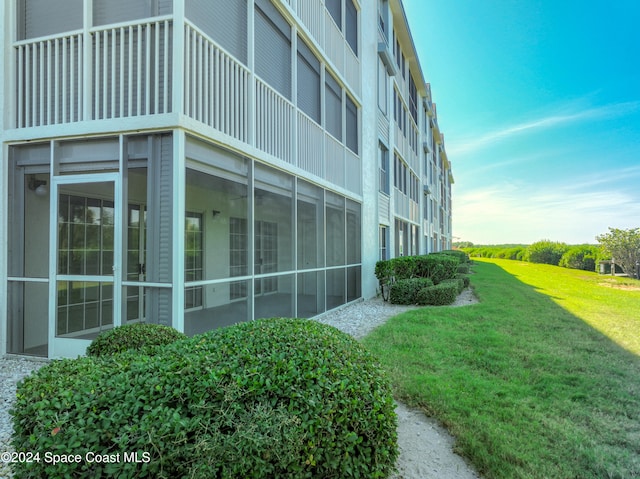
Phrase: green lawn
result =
(541, 379)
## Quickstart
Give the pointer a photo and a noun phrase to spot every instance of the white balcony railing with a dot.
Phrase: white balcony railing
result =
(125, 72)
(216, 87)
(334, 158)
(132, 70)
(49, 81)
(353, 169)
(274, 122)
(312, 15)
(310, 148)
(352, 70)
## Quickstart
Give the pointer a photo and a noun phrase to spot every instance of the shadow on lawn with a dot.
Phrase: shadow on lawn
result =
(529, 389)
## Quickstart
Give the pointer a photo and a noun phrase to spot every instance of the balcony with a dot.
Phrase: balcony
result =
(109, 72)
(126, 70)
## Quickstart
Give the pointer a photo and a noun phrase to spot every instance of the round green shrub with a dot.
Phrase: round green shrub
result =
(459, 282)
(461, 255)
(437, 266)
(465, 280)
(438, 295)
(580, 257)
(545, 252)
(463, 268)
(273, 398)
(404, 291)
(142, 337)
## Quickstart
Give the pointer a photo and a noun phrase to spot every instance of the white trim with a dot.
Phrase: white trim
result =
(65, 347)
(179, 205)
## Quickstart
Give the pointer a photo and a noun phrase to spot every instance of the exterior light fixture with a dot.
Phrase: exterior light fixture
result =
(39, 187)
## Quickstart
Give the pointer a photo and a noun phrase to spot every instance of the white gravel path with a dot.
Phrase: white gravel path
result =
(426, 449)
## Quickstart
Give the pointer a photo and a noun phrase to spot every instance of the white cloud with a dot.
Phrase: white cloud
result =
(520, 213)
(473, 144)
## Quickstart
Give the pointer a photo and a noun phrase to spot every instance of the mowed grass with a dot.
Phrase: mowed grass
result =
(541, 379)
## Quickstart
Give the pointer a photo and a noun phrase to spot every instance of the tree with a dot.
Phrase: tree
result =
(546, 252)
(580, 257)
(624, 248)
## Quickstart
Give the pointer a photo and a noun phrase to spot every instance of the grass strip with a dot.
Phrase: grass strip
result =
(528, 380)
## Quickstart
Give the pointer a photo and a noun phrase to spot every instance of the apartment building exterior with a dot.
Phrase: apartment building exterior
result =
(197, 163)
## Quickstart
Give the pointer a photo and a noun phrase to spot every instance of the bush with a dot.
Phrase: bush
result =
(463, 268)
(269, 398)
(459, 282)
(580, 257)
(461, 256)
(404, 267)
(436, 266)
(546, 252)
(142, 337)
(438, 295)
(384, 270)
(404, 291)
(465, 279)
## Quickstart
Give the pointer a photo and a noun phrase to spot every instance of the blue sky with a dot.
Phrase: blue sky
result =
(539, 101)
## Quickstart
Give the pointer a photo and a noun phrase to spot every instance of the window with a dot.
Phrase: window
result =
(351, 25)
(335, 229)
(383, 87)
(333, 107)
(352, 125)
(37, 18)
(399, 112)
(413, 99)
(354, 219)
(383, 16)
(400, 60)
(237, 256)
(350, 29)
(384, 243)
(308, 82)
(115, 11)
(224, 21)
(266, 255)
(383, 165)
(335, 10)
(273, 47)
(193, 259)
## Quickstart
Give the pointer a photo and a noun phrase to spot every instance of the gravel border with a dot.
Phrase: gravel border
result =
(425, 447)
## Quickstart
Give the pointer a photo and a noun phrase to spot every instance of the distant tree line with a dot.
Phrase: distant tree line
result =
(622, 247)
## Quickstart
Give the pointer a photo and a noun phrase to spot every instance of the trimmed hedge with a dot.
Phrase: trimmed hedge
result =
(404, 291)
(436, 266)
(580, 257)
(465, 279)
(545, 252)
(142, 337)
(439, 295)
(462, 256)
(459, 282)
(463, 268)
(270, 398)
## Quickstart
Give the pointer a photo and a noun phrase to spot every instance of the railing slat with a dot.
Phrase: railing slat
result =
(139, 73)
(147, 65)
(42, 85)
(27, 74)
(105, 76)
(56, 72)
(122, 84)
(20, 99)
(113, 74)
(156, 94)
(167, 40)
(130, 74)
